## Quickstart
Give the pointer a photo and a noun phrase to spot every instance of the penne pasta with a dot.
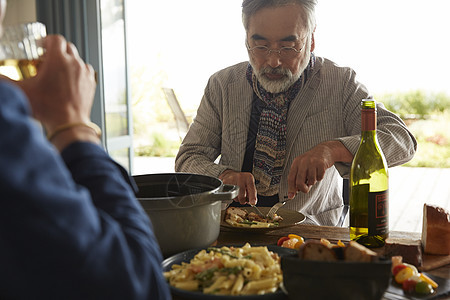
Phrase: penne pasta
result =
(262, 284)
(238, 285)
(229, 271)
(188, 285)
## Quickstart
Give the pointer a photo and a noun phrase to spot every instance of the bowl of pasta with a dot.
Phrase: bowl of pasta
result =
(244, 271)
(184, 208)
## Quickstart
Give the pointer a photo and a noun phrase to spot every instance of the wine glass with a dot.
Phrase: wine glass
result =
(21, 49)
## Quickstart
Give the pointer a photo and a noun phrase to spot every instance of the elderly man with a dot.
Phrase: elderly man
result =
(286, 124)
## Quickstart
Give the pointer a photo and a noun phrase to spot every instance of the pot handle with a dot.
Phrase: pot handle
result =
(228, 192)
(233, 190)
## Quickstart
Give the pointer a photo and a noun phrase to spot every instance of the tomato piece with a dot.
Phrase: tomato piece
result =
(213, 263)
(423, 287)
(409, 285)
(281, 240)
(397, 269)
(404, 274)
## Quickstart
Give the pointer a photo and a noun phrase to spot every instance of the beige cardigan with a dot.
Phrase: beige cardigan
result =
(326, 108)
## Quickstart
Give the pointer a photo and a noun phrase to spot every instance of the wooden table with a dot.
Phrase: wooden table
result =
(333, 234)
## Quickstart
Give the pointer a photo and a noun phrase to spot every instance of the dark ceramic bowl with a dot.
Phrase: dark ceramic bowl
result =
(305, 279)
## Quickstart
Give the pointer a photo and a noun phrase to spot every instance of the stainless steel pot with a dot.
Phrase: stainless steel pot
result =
(184, 208)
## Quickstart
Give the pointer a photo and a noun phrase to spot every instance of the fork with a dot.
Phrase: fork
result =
(275, 208)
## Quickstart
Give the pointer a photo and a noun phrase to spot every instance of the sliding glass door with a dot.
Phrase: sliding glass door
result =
(97, 28)
(117, 108)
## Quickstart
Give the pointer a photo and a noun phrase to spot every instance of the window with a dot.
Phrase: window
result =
(178, 46)
(97, 28)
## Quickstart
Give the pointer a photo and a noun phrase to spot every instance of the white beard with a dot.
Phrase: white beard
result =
(276, 86)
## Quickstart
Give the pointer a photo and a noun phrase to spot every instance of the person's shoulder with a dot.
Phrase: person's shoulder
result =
(327, 65)
(333, 75)
(329, 70)
(231, 73)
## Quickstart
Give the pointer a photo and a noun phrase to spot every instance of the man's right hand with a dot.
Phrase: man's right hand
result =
(246, 183)
(63, 90)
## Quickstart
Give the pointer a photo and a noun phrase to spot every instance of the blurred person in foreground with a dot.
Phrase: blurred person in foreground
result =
(71, 227)
(286, 124)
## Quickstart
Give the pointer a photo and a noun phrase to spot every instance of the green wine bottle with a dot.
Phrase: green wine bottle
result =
(369, 182)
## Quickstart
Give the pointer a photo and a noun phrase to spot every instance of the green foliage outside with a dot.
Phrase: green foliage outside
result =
(154, 128)
(428, 118)
(159, 145)
(416, 104)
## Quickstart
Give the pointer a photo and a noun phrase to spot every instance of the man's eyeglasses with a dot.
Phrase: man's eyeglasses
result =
(283, 52)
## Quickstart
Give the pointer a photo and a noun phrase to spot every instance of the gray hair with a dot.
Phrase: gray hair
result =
(250, 7)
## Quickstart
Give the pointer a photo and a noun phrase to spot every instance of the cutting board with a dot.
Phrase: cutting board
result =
(430, 262)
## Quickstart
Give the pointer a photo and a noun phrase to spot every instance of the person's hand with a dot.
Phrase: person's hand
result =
(63, 90)
(246, 183)
(309, 168)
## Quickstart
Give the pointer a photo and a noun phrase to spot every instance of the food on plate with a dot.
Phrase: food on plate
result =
(410, 279)
(436, 230)
(313, 250)
(411, 251)
(239, 217)
(358, 253)
(291, 241)
(326, 251)
(243, 270)
(330, 244)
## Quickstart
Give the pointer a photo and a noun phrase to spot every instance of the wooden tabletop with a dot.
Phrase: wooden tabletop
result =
(232, 236)
(333, 234)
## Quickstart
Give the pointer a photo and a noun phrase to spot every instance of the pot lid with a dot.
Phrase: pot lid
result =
(176, 190)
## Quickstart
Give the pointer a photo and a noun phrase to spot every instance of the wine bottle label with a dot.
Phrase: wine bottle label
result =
(378, 213)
